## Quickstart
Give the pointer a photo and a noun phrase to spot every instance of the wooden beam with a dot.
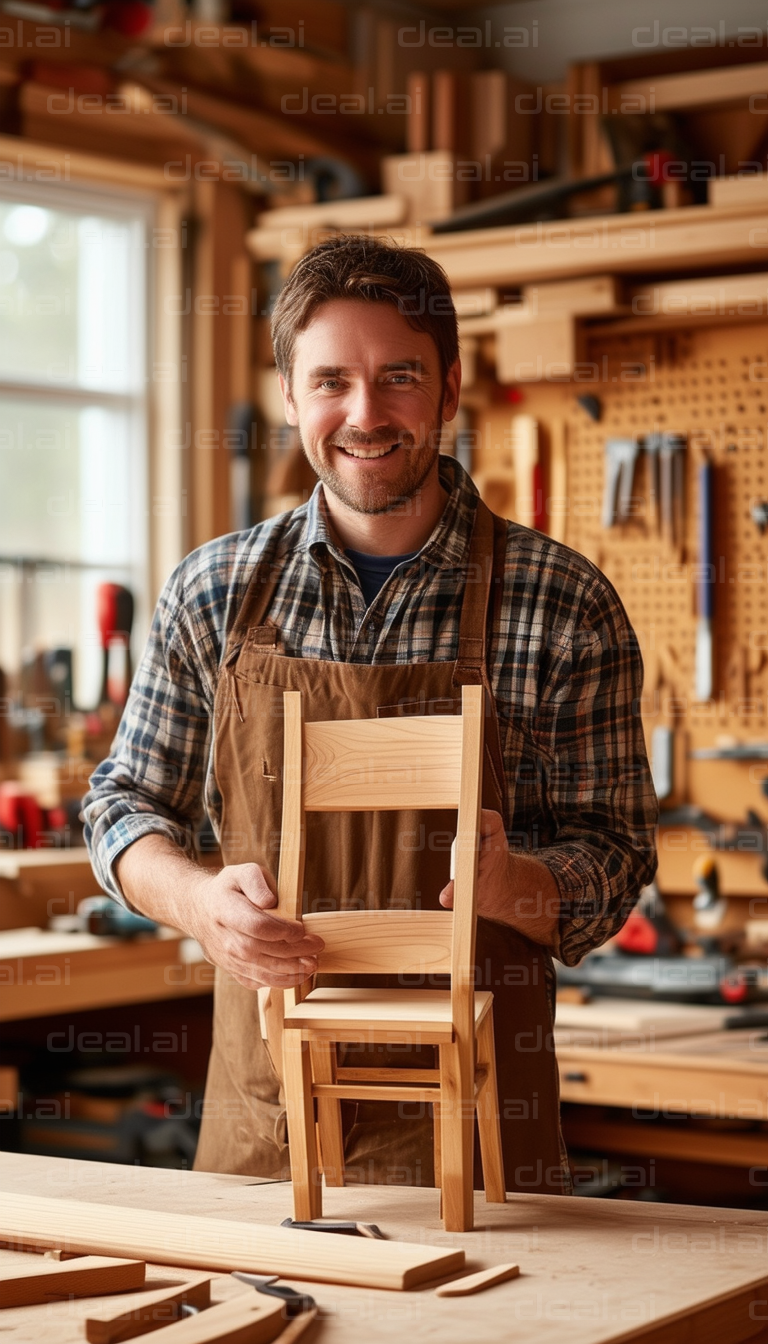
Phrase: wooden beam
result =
(680, 1142)
(663, 240)
(31, 1284)
(697, 88)
(367, 212)
(33, 161)
(217, 1243)
(151, 1312)
(747, 190)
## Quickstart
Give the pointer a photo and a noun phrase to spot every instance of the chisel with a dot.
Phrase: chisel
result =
(706, 585)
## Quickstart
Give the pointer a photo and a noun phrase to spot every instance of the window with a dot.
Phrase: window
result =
(74, 360)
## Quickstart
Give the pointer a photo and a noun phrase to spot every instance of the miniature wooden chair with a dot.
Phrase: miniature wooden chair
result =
(388, 764)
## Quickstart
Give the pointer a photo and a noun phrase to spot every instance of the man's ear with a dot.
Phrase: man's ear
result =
(452, 390)
(291, 414)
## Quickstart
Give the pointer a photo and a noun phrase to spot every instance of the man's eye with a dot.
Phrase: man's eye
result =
(401, 378)
(331, 384)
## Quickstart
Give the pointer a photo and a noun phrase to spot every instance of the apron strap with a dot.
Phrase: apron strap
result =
(254, 606)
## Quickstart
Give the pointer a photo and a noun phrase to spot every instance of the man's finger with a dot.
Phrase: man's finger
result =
(254, 883)
(446, 896)
(490, 822)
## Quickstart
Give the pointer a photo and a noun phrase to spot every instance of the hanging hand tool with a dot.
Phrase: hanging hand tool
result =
(620, 458)
(706, 591)
(709, 905)
(667, 485)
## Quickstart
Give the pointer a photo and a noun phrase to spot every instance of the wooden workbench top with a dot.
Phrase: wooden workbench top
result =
(592, 1271)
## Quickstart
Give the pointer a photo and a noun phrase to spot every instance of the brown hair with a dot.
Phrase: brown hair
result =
(353, 266)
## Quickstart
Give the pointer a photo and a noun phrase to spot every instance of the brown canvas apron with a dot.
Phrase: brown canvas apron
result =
(370, 861)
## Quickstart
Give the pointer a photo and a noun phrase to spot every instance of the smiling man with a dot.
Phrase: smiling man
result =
(384, 594)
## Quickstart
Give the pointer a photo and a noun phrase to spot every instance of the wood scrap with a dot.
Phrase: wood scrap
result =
(83, 1277)
(215, 1243)
(249, 1318)
(475, 1283)
(154, 1310)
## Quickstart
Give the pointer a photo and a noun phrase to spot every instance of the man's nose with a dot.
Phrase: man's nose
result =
(365, 407)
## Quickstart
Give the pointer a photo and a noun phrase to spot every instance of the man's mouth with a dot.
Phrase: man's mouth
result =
(369, 452)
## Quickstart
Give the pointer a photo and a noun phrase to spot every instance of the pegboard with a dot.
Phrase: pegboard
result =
(709, 384)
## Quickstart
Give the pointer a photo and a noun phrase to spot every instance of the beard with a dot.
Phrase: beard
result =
(388, 488)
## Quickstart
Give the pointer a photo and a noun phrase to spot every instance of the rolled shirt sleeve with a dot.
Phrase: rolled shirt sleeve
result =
(153, 780)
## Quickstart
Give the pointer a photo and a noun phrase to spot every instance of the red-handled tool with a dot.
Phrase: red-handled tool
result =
(115, 618)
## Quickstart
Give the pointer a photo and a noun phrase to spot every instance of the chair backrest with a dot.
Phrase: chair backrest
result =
(386, 764)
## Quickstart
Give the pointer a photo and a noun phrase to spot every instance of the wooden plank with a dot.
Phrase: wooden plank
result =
(416, 1012)
(536, 349)
(86, 1276)
(249, 1318)
(359, 764)
(476, 1283)
(383, 941)
(417, 124)
(695, 88)
(368, 212)
(718, 296)
(581, 297)
(151, 1312)
(36, 162)
(632, 1019)
(656, 1083)
(663, 1141)
(15, 863)
(669, 240)
(557, 494)
(475, 302)
(94, 973)
(216, 1243)
(428, 182)
(654, 1273)
(375, 1092)
(750, 189)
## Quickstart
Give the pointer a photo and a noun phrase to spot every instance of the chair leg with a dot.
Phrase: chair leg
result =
(305, 1168)
(488, 1122)
(437, 1144)
(329, 1131)
(457, 1132)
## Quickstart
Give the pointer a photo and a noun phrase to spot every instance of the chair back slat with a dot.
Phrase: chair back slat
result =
(387, 764)
(383, 942)
(360, 765)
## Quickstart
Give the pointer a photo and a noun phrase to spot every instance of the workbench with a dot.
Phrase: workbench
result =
(710, 1075)
(599, 1270)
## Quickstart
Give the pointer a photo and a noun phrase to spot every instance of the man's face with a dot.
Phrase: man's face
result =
(368, 397)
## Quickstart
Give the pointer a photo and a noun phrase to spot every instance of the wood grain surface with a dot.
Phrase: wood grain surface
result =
(591, 1271)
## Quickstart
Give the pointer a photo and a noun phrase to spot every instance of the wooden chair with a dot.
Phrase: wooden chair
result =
(387, 764)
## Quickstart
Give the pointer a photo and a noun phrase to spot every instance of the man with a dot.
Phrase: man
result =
(390, 589)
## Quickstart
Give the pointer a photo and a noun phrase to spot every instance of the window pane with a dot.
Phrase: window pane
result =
(71, 298)
(71, 486)
(61, 602)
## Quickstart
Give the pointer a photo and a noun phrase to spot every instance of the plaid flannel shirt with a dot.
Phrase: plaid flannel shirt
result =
(564, 664)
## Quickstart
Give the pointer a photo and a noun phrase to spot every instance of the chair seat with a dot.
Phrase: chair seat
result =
(347, 1014)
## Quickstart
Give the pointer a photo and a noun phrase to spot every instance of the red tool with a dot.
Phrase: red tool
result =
(115, 617)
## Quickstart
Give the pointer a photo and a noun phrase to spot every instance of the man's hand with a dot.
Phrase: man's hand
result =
(227, 912)
(231, 921)
(514, 889)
